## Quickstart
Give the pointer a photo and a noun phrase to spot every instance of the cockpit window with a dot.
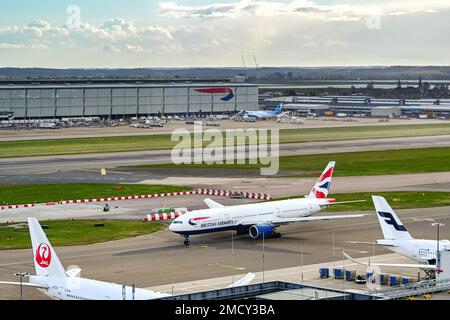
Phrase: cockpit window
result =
(178, 222)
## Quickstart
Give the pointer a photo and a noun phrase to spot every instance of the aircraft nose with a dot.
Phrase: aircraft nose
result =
(174, 227)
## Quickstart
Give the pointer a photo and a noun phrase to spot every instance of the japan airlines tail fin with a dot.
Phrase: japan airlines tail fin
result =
(322, 186)
(392, 227)
(45, 259)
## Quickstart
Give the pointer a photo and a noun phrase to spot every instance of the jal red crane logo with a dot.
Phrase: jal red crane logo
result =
(43, 255)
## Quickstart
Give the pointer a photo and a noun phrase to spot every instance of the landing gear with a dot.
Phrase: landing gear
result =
(430, 274)
(277, 235)
(241, 232)
(187, 242)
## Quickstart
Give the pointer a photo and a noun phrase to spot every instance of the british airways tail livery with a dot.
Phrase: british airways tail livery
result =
(59, 284)
(322, 186)
(260, 220)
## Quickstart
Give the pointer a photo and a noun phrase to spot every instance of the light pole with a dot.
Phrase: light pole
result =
(263, 263)
(438, 253)
(21, 275)
(232, 256)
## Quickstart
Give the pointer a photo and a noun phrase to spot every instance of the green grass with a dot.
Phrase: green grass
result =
(41, 193)
(30, 148)
(69, 233)
(351, 164)
(362, 132)
(397, 200)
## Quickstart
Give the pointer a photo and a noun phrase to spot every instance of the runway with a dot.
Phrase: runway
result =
(161, 259)
(50, 164)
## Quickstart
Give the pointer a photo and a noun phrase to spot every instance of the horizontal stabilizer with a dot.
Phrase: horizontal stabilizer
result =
(25, 284)
(74, 272)
(397, 265)
(243, 281)
(346, 202)
(372, 243)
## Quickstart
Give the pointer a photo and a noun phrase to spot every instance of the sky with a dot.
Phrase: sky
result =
(216, 33)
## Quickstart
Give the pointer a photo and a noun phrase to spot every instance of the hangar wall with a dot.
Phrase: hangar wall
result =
(116, 101)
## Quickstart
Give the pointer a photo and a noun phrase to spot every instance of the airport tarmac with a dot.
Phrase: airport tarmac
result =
(161, 259)
(44, 165)
(39, 134)
(134, 209)
(302, 274)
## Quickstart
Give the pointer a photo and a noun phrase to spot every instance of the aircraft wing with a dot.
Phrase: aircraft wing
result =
(25, 284)
(279, 221)
(212, 204)
(399, 265)
(243, 281)
(315, 218)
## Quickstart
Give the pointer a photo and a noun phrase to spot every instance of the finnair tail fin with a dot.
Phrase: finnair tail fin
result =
(392, 227)
(322, 186)
(45, 259)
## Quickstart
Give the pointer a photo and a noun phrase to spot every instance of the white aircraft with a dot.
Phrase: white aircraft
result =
(260, 114)
(54, 281)
(260, 220)
(398, 239)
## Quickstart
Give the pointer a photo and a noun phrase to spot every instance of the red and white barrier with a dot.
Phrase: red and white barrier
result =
(163, 216)
(246, 195)
(208, 192)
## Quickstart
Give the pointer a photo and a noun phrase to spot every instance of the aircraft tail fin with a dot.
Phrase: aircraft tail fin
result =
(45, 258)
(279, 109)
(392, 227)
(322, 186)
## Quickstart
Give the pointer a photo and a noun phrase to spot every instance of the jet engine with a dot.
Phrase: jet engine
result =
(260, 231)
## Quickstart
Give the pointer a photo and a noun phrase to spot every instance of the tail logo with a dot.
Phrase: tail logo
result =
(389, 219)
(43, 255)
(229, 94)
(320, 190)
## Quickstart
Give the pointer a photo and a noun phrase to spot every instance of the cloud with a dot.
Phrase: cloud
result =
(10, 46)
(115, 35)
(297, 32)
(40, 24)
(343, 12)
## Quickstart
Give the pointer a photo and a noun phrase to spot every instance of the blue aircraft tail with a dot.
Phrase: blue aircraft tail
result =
(279, 109)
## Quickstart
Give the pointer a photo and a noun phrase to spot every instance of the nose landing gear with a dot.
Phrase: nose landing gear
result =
(187, 242)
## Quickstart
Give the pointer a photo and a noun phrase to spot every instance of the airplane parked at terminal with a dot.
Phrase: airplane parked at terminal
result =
(261, 115)
(260, 220)
(54, 281)
(399, 240)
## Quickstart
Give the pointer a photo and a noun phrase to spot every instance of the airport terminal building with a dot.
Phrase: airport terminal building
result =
(120, 100)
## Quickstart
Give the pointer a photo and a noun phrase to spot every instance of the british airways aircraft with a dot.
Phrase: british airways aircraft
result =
(260, 220)
(264, 114)
(399, 240)
(59, 284)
